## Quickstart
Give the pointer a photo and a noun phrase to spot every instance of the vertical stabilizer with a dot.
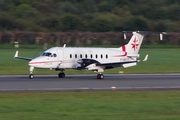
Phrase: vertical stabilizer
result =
(134, 44)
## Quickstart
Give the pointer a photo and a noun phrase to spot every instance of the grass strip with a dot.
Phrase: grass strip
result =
(81, 105)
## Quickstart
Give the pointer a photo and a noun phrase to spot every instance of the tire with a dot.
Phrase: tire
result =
(31, 76)
(100, 76)
(61, 75)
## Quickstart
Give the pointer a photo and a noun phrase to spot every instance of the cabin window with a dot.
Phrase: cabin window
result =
(91, 56)
(75, 55)
(101, 56)
(86, 55)
(96, 56)
(70, 55)
(80, 55)
(106, 56)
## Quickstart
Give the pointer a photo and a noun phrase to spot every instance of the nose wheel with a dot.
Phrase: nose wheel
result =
(31, 76)
(100, 76)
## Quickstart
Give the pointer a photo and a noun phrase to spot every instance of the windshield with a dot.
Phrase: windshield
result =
(46, 54)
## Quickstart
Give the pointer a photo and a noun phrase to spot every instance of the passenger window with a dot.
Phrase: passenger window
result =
(86, 55)
(101, 56)
(75, 55)
(91, 56)
(106, 56)
(96, 56)
(70, 55)
(80, 55)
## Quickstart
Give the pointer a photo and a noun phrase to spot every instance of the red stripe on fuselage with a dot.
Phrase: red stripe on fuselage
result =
(66, 61)
(42, 62)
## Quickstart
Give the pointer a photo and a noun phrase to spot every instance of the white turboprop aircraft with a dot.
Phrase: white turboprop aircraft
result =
(94, 59)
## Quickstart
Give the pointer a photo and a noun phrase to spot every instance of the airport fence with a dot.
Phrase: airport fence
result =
(18, 38)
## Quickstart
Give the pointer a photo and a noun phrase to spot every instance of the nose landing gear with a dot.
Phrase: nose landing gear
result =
(31, 76)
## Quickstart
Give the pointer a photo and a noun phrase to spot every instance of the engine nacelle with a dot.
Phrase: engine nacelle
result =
(86, 62)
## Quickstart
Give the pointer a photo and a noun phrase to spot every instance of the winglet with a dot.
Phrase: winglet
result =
(145, 59)
(16, 54)
(19, 57)
(161, 35)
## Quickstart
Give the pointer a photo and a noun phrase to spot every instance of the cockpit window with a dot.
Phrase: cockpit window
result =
(46, 54)
(54, 55)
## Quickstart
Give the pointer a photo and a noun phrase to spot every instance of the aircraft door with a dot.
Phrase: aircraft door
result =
(60, 58)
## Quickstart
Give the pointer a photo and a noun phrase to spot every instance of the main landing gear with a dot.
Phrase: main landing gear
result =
(100, 76)
(61, 75)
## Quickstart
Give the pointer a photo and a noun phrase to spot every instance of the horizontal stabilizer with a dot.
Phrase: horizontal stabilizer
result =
(133, 55)
(129, 65)
(145, 33)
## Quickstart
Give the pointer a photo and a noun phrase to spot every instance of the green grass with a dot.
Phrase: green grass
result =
(160, 61)
(112, 105)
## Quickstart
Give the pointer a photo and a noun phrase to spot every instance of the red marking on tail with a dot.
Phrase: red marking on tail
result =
(125, 54)
(135, 45)
(124, 48)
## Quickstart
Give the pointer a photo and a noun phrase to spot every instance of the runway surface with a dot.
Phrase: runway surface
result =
(89, 82)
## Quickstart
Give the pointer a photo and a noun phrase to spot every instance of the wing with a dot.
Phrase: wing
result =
(83, 63)
(94, 65)
(117, 64)
(19, 57)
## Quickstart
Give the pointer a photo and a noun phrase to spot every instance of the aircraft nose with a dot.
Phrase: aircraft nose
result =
(32, 63)
(35, 62)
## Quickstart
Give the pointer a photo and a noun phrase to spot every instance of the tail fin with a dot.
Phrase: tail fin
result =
(134, 44)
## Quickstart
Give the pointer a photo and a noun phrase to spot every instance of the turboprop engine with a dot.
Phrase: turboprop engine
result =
(86, 62)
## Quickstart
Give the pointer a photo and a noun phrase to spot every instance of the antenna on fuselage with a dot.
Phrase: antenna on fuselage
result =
(64, 45)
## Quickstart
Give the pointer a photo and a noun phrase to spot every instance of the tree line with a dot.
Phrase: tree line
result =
(91, 22)
(89, 15)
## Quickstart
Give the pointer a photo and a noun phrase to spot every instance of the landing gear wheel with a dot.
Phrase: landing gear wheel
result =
(31, 76)
(61, 75)
(100, 76)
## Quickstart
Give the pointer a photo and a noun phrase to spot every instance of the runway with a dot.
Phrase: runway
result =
(89, 82)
